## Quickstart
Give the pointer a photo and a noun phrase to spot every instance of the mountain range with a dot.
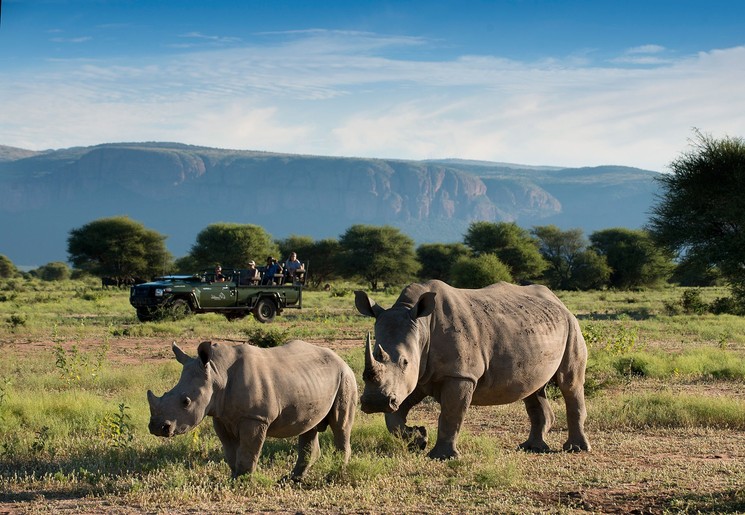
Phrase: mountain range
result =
(179, 189)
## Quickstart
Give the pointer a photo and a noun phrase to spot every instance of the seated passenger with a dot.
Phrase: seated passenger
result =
(252, 275)
(293, 267)
(219, 278)
(272, 268)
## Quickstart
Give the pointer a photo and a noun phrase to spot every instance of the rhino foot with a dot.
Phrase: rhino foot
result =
(576, 447)
(417, 438)
(290, 479)
(444, 453)
(537, 447)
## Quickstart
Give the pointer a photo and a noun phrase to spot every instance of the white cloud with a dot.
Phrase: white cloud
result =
(339, 93)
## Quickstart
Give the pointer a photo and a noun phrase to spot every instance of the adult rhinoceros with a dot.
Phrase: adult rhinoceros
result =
(251, 393)
(495, 345)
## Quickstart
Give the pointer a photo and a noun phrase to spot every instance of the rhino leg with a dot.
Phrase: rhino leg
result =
(455, 397)
(252, 436)
(229, 443)
(570, 379)
(396, 422)
(341, 418)
(308, 451)
(573, 389)
(541, 419)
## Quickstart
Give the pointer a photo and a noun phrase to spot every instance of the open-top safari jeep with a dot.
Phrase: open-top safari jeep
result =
(235, 297)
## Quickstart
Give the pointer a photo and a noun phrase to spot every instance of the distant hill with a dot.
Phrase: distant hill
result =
(179, 189)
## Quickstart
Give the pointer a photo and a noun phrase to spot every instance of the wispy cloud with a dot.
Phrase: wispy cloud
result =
(80, 39)
(646, 49)
(349, 93)
(644, 55)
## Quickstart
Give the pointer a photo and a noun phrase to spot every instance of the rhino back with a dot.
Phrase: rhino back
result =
(508, 339)
(292, 387)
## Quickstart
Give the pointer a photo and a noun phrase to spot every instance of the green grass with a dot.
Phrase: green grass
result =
(668, 410)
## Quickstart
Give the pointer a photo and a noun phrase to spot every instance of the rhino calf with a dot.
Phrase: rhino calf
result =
(297, 389)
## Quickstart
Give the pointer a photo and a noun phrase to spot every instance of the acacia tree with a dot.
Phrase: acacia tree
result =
(231, 244)
(699, 214)
(513, 245)
(634, 259)
(437, 259)
(118, 247)
(571, 265)
(377, 254)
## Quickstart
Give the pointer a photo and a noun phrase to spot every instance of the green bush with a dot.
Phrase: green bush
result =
(267, 337)
(478, 272)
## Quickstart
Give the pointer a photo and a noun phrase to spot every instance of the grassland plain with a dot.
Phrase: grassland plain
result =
(666, 417)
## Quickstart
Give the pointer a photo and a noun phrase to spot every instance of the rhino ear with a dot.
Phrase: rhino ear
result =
(181, 356)
(205, 352)
(424, 306)
(365, 305)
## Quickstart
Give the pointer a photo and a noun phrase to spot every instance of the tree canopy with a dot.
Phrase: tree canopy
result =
(232, 245)
(118, 247)
(571, 265)
(437, 259)
(699, 214)
(513, 245)
(634, 259)
(377, 254)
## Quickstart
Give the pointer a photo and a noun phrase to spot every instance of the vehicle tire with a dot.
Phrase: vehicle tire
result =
(265, 310)
(145, 315)
(180, 308)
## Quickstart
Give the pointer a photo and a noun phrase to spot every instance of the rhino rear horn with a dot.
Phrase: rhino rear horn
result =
(370, 361)
(151, 398)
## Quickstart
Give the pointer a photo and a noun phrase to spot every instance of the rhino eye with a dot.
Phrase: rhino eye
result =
(186, 402)
(404, 362)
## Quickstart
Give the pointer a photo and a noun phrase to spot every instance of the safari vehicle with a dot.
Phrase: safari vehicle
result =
(235, 297)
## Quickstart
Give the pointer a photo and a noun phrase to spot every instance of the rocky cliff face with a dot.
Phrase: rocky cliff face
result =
(178, 190)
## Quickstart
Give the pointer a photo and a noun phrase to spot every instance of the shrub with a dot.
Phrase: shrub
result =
(477, 272)
(692, 303)
(266, 337)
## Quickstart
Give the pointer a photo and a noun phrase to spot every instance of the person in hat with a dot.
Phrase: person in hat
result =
(252, 275)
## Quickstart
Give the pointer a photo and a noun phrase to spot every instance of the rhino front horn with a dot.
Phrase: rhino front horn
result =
(369, 359)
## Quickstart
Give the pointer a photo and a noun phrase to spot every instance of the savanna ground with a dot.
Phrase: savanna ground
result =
(666, 417)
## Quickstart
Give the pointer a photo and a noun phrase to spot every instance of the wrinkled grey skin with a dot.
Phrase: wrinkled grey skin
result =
(495, 345)
(296, 389)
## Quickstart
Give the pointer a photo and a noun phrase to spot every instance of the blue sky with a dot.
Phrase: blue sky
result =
(539, 82)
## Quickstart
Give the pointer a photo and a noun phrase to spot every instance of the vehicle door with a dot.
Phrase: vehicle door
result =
(216, 294)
